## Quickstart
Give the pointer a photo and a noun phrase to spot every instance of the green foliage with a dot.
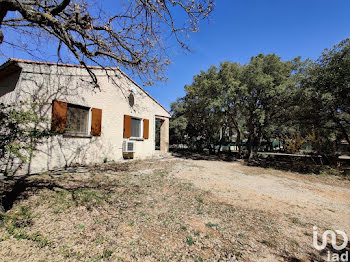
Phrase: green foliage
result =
(90, 197)
(327, 93)
(177, 127)
(190, 241)
(22, 128)
(241, 101)
(299, 103)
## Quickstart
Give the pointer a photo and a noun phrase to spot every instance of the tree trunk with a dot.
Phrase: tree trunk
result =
(238, 140)
(343, 130)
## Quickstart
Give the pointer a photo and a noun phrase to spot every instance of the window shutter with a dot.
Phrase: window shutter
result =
(59, 116)
(145, 128)
(127, 126)
(96, 121)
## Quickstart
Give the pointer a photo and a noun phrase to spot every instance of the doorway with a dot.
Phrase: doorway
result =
(157, 134)
(161, 135)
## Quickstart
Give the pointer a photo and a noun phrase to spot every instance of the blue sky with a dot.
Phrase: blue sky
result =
(241, 29)
(238, 30)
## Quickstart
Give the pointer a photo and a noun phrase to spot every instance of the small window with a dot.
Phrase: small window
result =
(77, 120)
(131, 100)
(135, 127)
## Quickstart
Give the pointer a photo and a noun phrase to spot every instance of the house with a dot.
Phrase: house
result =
(93, 124)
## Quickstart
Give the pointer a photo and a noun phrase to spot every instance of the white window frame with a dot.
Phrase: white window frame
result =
(141, 129)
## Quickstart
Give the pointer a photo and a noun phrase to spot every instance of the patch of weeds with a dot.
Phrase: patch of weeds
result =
(297, 221)
(93, 181)
(230, 209)
(22, 219)
(199, 199)
(267, 243)
(238, 254)
(25, 212)
(81, 227)
(329, 171)
(211, 225)
(241, 235)
(167, 221)
(190, 241)
(197, 232)
(89, 197)
(98, 221)
(62, 201)
(200, 211)
(183, 228)
(68, 252)
(267, 229)
(36, 237)
(98, 241)
(198, 259)
(160, 172)
(3, 219)
(107, 253)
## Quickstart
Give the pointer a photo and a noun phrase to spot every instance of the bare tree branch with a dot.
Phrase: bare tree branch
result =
(132, 36)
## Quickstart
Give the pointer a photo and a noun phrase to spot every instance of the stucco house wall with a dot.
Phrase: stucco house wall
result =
(45, 82)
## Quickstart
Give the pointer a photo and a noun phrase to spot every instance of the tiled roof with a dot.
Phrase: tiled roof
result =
(57, 64)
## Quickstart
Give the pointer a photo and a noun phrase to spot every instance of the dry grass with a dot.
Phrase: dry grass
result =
(138, 212)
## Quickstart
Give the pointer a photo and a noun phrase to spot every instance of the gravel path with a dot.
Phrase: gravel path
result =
(317, 200)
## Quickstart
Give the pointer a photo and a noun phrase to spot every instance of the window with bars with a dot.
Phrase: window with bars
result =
(77, 120)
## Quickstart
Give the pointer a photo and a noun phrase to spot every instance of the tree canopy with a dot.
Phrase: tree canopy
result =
(295, 102)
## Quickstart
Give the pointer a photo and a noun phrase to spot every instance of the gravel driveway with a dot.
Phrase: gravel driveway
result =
(317, 200)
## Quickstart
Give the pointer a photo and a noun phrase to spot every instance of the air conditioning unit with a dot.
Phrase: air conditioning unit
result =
(128, 147)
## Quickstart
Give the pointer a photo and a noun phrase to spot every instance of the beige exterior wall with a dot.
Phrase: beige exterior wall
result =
(40, 82)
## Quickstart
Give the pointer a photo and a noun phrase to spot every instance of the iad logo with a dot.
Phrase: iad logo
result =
(332, 257)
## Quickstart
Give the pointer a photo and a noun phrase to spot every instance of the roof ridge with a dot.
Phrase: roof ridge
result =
(58, 64)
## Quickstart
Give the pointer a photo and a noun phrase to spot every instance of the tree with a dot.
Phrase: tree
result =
(230, 98)
(328, 88)
(22, 128)
(131, 34)
(203, 112)
(178, 123)
(267, 83)
(253, 100)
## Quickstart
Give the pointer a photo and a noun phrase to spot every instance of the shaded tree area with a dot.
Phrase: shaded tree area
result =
(300, 105)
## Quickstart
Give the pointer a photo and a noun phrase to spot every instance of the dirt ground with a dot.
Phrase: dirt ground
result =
(319, 200)
(172, 209)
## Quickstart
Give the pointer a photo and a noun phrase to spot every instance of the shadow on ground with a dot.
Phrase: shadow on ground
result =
(202, 156)
(21, 187)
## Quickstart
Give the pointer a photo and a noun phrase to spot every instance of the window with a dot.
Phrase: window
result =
(135, 127)
(77, 120)
(131, 100)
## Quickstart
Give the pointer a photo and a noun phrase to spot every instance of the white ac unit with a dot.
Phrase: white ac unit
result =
(128, 147)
